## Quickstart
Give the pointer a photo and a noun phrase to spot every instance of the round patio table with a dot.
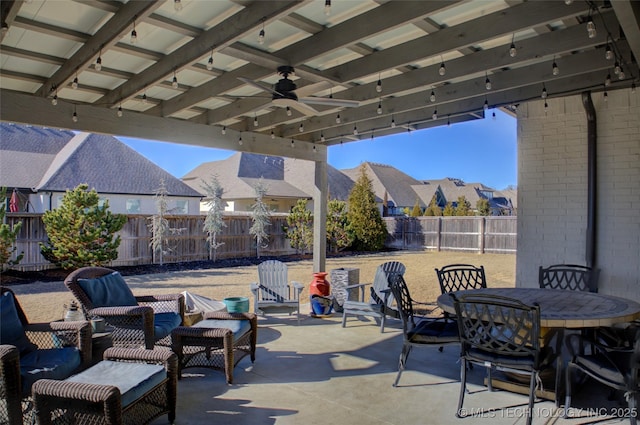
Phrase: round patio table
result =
(562, 308)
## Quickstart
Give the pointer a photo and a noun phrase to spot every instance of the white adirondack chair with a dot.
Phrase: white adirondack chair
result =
(380, 304)
(273, 293)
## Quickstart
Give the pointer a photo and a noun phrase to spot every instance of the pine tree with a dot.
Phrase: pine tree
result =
(365, 221)
(8, 235)
(483, 207)
(214, 222)
(260, 218)
(80, 231)
(416, 211)
(449, 210)
(300, 227)
(338, 236)
(433, 210)
(464, 207)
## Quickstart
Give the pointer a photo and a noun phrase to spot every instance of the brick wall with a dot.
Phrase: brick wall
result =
(552, 188)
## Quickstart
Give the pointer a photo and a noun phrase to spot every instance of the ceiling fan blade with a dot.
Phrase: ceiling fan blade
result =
(300, 107)
(327, 101)
(259, 85)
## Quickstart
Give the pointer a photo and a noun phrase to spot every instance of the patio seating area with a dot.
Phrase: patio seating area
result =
(319, 372)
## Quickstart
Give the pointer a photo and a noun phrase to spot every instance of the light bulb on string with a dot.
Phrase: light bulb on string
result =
(608, 53)
(554, 68)
(434, 116)
(512, 49)
(355, 130)
(240, 139)
(98, 65)
(273, 135)
(74, 117)
(432, 97)
(546, 107)
(301, 128)
(322, 139)
(448, 121)
(261, 34)
(134, 34)
(393, 123)
(616, 68)
(74, 83)
(379, 85)
(379, 110)
(544, 92)
(607, 80)
(327, 7)
(288, 110)
(606, 96)
(210, 61)
(255, 121)
(487, 83)
(591, 28)
(621, 74)
(177, 5)
(442, 69)
(174, 83)
(224, 130)
(338, 119)
(486, 105)
(568, 2)
(144, 98)
(119, 113)
(314, 149)
(293, 144)
(493, 116)
(54, 100)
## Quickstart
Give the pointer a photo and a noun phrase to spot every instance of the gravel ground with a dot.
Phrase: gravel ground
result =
(44, 301)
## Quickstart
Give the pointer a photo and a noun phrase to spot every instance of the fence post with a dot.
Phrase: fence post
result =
(439, 238)
(482, 234)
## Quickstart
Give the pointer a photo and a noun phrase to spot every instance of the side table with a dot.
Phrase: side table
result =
(100, 341)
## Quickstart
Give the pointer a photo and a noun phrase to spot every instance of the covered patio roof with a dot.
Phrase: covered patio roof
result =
(206, 72)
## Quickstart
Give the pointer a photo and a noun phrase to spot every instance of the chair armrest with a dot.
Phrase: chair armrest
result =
(10, 382)
(164, 303)
(254, 287)
(297, 286)
(69, 334)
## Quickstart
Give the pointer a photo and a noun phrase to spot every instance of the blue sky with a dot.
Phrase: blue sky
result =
(482, 151)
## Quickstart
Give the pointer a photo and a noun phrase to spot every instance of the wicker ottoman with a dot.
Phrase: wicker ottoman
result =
(130, 386)
(218, 342)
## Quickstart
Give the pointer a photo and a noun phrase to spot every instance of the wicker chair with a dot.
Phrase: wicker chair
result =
(503, 334)
(569, 276)
(273, 292)
(380, 303)
(418, 331)
(134, 321)
(31, 351)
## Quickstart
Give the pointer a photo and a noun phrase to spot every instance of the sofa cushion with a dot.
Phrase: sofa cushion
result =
(108, 291)
(132, 379)
(51, 363)
(238, 327)
(11, 330)
(164, 323)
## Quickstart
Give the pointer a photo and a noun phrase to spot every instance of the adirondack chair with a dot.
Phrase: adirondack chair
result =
(273, 293)
(380, 303)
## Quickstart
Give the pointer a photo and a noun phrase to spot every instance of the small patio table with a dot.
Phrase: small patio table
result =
(559, 310)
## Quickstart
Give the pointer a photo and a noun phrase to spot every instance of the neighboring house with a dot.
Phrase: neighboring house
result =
(239, 174)
(450, 189)
(301, 174)
(42, 163)
(390, 185)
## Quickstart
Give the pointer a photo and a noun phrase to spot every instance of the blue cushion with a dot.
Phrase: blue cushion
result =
(132, 379)
(238, 327)
(51, 363)
(164, 323)
(11, 330)
(108, 291)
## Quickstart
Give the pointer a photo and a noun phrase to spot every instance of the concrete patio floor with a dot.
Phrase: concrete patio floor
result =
(320, 373)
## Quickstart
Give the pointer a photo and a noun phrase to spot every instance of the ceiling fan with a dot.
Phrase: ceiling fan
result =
(284, 95)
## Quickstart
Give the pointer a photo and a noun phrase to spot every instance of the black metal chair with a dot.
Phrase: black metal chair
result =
(616, 367)
(502, 334)
(418, 331)
(569, 276)
(458, 277)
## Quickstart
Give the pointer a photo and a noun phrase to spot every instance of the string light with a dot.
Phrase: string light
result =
(54, 99)
(322, 139)
(224, 130)
(544, 92)
(546, 107)
(261, 34)
(568, 2)
(442, 69)
(512, 49)
(379, 110)
(487, 83)
(255, 121)
(379, 85)
(273, 135)
(177, 5)
(134, 34)
(293, 144)
(210, 61)
(591, 27)
(144, 98)
(174, 83)
(327, 7)
(338, 119)
(314, 148)
(554, 68)
(616, 68)
(434, 116)
(355, 130)
(98, 65)
(486, 104)
(493, 116)
(289, 111)
(301, 128)
(608, 53)
(606, 96)
(432, 97)
(607, 80)
(240, 139)
(74, 117)
(74, 84)
(393, 122)
(621, 74)
(119, 113)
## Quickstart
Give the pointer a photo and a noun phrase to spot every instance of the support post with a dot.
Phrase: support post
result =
(320, 214)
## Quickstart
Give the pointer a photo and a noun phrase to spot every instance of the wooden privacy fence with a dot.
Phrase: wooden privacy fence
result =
(479, 234)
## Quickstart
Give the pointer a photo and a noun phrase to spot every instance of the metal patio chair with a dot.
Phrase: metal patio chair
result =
(569, 276)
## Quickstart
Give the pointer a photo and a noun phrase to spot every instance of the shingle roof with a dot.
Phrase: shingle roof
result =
(387, 178)
(300, 173)
(46, 159)
(239, 174)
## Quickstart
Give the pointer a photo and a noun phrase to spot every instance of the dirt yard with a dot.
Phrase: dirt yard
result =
(44, 301)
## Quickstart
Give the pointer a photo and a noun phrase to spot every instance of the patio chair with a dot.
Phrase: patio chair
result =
(616, 367)
(273, 293)
(32, 351)
(569, 276)
(459, 277)
(134, 321)
(503, 334)
(380, 303)
(418, 331)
